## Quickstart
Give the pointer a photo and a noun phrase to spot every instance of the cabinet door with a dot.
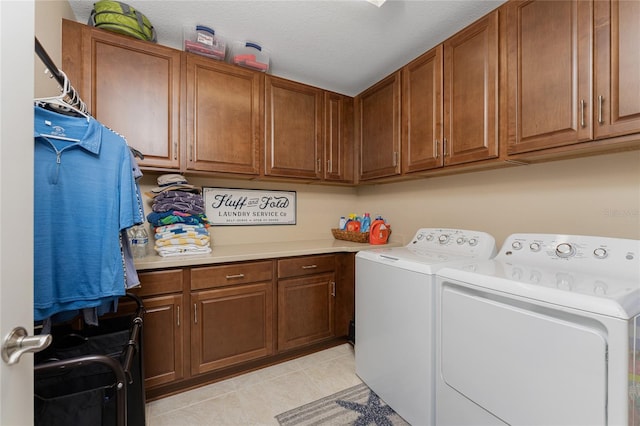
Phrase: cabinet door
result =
(345, 292)
(378, 118)
(617, 65)
(163, 331)
(293, 129)
(163, 335)
(131, 86)
(422, 112)
(223, 117)
(548, 73)
(338, 138)
(471, 93)
(231, 325)
(305, 310)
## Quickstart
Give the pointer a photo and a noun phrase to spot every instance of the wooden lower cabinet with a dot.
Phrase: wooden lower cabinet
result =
(163, 329)
(231, 325)
(306, 300)
(232, 314)
(305, 310)
(207, 323)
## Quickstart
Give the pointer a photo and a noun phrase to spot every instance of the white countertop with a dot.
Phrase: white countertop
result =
(255, 251)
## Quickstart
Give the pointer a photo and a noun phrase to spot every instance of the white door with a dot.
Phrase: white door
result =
(526, 364)
(16, 202)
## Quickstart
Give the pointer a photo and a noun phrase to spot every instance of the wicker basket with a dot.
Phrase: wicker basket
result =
(356, 237)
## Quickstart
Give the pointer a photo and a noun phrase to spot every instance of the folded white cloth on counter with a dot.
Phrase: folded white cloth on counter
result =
(176, 241)
(183, 249)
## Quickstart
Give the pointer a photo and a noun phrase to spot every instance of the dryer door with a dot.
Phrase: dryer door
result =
(525, 364)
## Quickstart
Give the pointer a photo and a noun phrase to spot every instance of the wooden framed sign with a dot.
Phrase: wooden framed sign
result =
(229, 206)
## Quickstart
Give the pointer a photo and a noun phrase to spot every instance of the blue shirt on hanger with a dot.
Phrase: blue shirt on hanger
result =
(85, 194)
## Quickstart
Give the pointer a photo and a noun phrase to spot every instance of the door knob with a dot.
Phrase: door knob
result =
(18, 342)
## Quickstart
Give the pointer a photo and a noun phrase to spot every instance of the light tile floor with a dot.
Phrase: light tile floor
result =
(256, 398)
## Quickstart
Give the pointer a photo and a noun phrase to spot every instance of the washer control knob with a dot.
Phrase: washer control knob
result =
(443, 239)
(535, 277)
(516, 274)
(534, 246)
(460, 240)
(516, 245)
(565, 250)
(429, 237)
(600, 253)
(473, 242)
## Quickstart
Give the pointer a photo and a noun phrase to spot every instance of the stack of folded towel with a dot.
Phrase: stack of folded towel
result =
(179, 218)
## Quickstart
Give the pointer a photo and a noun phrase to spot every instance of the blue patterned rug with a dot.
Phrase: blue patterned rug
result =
(357, 406)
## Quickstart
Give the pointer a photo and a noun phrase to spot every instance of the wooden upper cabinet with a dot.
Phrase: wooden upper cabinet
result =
(617, 68)
(549, 73)
(338, 138)
(422, 112)
(293, 136)
(471, 92)
(378, 123)
(130, 86)
(223, 111)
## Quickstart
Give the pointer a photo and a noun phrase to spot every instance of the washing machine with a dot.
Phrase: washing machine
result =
(395, 319)
(546, 333)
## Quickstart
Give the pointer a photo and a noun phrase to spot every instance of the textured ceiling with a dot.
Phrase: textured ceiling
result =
(343, 46)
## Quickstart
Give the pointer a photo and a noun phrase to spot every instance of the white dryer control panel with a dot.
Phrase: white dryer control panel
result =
(574, 252)
(596, 273)
(453, 241)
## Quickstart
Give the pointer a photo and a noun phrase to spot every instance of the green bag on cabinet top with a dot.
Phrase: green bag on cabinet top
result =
(121, 18)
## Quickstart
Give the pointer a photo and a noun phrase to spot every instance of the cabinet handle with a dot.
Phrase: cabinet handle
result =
(600, 104)
(195, 313)
(444, 147)
(319, 165)
(175, 150)
(582, 108)
(191, 152)
(309, 266)
(329, 166)
(178, 317)
(231, 277)
(436, 154)
(333, 288)
(395, 158)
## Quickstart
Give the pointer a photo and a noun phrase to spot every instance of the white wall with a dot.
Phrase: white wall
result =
(48, 29)
(597, 195)
(319, 209)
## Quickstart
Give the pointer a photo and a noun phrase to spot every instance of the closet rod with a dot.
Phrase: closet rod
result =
(48, 62)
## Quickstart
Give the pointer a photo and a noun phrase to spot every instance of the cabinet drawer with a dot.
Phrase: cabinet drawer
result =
(305, 265)
(159, 282)
(240, 273)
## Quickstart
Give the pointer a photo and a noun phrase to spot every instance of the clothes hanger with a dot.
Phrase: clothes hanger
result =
(68, 102)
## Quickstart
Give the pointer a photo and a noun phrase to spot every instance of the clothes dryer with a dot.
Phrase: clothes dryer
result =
(546, 333)
(395, 317)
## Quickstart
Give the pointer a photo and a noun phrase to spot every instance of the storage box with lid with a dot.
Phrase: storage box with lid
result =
(251, 55)
(204, 41)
